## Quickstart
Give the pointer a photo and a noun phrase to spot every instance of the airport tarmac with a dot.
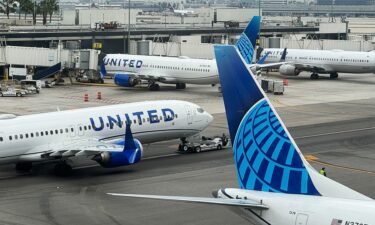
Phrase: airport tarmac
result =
(333, 122)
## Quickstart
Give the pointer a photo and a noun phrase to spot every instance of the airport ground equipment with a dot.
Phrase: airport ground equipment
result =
(203, 143)
(12, 92)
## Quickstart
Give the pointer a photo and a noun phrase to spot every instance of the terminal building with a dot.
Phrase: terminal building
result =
(345, 2)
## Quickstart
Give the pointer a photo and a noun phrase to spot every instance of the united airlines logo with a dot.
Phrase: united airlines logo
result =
(140, 117)
(122, 62)
(266, 159)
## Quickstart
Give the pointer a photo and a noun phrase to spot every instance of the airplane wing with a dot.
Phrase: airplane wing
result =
(216, 201)
(268, 65)
(81, 147)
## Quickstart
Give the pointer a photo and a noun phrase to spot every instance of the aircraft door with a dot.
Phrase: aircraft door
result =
(80, 129)
(72, 131)
(189, 115)
(302, 219)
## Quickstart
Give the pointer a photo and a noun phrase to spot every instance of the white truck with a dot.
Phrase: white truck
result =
(203, 144)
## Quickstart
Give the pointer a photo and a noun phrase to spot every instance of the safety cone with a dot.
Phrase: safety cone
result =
(99, 95)
(286, 82)
(86, 97)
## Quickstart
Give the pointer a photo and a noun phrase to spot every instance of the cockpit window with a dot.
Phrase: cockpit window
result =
(200, 110)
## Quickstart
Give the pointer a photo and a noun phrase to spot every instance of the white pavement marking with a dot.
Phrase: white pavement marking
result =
(337, 132)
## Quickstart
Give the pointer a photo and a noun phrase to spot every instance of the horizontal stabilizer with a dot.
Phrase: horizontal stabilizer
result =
(215, 201)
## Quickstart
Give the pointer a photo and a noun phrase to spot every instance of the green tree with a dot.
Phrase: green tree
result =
(53, 6)
(26, 6)
(48, 7)
(7, 6)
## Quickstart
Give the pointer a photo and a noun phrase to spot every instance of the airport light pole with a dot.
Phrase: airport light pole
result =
(129, 28)
(259, 7)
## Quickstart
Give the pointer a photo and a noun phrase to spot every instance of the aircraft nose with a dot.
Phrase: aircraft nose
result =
(210, 118)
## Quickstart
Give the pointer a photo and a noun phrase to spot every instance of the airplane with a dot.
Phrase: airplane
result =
(276, 183)
(318, 62)
(96, 133)
(130, 70)
(181, 12)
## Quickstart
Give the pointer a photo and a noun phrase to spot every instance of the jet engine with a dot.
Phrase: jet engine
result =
(124, 80)
(289, 70)
(124, 158)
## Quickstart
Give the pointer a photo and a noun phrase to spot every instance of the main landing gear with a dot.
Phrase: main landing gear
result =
(63, 169)
(333, 76)
(314, 76)
(180, 86)
(24, 167)
(152, 86)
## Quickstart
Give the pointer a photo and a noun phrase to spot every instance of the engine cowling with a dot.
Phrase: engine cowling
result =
(289, 70)
(124, 158)
(124, 80)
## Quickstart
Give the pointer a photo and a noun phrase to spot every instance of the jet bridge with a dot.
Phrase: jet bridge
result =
(48, 61)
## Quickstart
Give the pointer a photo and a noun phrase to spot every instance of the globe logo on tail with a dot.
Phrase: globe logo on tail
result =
(266, 159)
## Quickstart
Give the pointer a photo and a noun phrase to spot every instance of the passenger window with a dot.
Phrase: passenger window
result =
(89, 127)
(80, 128)
(56, 131)
(144, 120)
(1, 139)
(41, 133)
(51, 132)
(107, 124)
(31, 135)
(10, 138)
(66, 130)
(61, 131)
(37, 134)
(72, 129)
(21, 136)
(175, 115)
(27, 135)
(46, 133)
(135, 121)
(85, 127)
(16, 137)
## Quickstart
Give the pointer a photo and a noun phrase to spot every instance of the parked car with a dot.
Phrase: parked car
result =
(204, 144)
(12, 92)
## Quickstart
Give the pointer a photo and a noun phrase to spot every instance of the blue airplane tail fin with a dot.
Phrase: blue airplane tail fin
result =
(266, 157)
(263, 59)
(246, 43)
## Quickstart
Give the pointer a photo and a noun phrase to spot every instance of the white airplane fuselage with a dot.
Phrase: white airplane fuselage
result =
(287, 209)
(25, 138)
(164, 69)
(331, 60)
